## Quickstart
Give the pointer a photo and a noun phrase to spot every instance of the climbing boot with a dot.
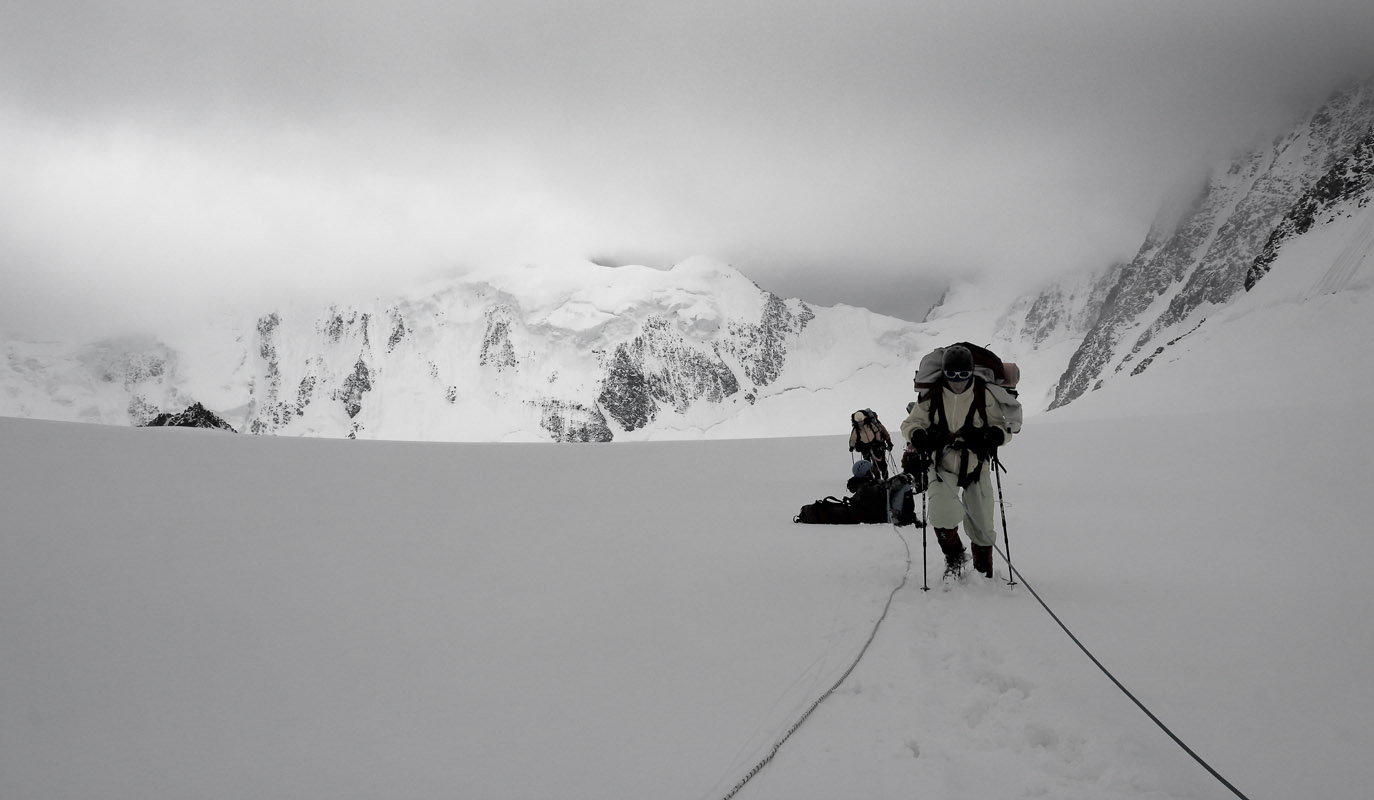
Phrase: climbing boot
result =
(953, 548)
(982, 559)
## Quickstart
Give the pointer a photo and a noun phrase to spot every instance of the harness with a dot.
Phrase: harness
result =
(875, 443)
(940, 420)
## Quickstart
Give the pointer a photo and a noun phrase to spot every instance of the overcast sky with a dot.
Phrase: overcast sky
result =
(163, 157)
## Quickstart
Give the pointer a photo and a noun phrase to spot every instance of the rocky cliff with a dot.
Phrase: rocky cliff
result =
(1185, 269)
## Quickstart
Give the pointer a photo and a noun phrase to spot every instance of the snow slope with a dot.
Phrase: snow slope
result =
(193, 614)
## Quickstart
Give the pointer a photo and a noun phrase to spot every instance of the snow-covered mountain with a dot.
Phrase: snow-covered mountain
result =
(572, 352)
(1194, 264)
(580, 352)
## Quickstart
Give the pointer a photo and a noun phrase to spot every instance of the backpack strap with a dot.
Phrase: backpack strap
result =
(978, 408)
(980, 402)
(937, 408)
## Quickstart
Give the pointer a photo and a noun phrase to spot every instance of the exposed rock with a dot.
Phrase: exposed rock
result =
(497, 350)
(1228, 239)
(196, 416)
(354, 386)
(1067, 308)
(625, 391)
(304, 394)
(762, 348)
(1349, 179)
(272, 413)
(398, 330)
(334, 326)
(141, 412)
(574, 422)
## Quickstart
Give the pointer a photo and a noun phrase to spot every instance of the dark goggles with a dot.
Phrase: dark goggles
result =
(958, 375)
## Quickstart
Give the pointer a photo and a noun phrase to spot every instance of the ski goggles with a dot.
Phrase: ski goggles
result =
(958, 375)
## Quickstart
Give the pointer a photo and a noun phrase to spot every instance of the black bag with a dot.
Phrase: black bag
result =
(829, 511)
(868, 505)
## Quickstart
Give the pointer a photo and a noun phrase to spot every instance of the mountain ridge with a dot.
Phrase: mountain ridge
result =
(1208, 256)
(578, 352)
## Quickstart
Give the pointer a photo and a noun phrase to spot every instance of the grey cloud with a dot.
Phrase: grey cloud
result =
(251, 148)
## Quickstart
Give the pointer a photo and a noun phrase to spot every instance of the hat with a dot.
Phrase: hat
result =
(957, 359)
(862, 467)
(858, 417)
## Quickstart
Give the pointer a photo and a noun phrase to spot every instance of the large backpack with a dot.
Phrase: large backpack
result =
(870, 421)
(829, 511)
(901, 500)
(1000, 377)
(869, 505)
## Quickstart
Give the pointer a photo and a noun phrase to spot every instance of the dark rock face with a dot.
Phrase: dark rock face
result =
(1349, 179)
(196, 416)
(659, 367)
(305, 393)
(497, 349)
(762, 348)
(683, 374)
(625, 390)
(277, 405)
(333, 326)
(1162, 261)
(1228, 239)
(1333, 131)
(574, 422)
(272, 413)
(1058, 309)
(354, 386)
(398, 330)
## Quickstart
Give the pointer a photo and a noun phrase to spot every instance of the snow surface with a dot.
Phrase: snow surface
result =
(190, 614)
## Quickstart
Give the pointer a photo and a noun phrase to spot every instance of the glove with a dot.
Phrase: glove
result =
(928, 441)
(985, 440)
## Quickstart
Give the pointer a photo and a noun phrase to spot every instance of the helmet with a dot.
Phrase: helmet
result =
(957, 359)
(859, 417)
(862, 468)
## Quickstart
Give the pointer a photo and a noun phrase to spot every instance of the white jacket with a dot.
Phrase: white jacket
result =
(956, 409)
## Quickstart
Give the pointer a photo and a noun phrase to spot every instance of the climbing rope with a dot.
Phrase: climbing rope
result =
(1122, 686)
(1156, 720)
(828, 692)
(1015, 574)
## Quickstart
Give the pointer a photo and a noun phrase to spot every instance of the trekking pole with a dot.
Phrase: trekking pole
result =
(925, 526)
(1006, 536)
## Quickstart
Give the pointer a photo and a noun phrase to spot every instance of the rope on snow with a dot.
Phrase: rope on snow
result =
(828, 692)
(1156, 720)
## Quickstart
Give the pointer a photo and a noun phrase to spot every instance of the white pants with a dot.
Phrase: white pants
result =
(945, 511)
